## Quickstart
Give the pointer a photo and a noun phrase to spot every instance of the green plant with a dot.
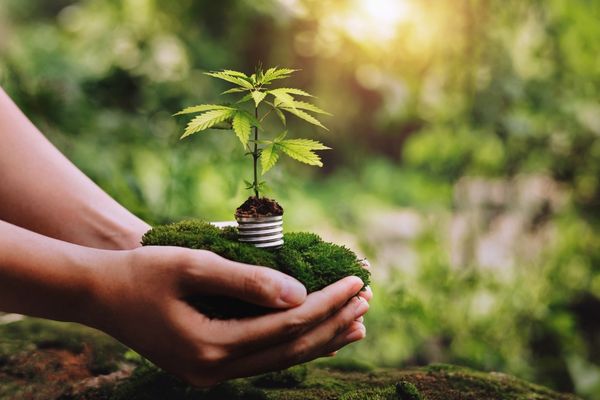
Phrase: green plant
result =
(242, 121)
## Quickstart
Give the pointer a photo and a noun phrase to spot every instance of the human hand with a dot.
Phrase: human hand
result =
(138, 297)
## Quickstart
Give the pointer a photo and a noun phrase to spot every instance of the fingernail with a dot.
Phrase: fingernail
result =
(293, 292)
(361, 307)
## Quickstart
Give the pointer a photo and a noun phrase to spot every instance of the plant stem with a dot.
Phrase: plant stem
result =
(255, 155)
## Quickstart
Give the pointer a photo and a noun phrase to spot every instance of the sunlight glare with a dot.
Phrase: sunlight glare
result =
(375, 19)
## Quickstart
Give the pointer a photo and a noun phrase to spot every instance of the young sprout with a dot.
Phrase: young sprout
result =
(256, 101)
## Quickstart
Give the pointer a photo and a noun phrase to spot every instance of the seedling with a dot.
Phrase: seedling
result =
(257, 100)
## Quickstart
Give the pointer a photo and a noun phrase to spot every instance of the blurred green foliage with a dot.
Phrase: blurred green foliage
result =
(427, 96)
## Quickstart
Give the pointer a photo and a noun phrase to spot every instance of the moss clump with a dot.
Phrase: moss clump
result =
(345, 364)
(407, 391)
(304, 256)
(386, 393)
(287, 378)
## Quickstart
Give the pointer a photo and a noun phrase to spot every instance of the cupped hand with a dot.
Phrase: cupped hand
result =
(139, 299)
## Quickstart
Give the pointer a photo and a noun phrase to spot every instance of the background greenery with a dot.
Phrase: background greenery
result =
(466, 159)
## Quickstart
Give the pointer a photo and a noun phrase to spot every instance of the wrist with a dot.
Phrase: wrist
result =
(101, 293)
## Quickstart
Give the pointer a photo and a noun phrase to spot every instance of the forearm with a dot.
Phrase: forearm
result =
(48, 278)
(44, 192)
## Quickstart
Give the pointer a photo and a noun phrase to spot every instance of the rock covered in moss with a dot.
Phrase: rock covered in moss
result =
(304, 256)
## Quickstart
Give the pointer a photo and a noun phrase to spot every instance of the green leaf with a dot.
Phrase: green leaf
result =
(207, 120)
(303, 150)
(276, 73)
(244, 99)
(235, 73)
(283, 97)
(305, 116)
(258, 96)
(233, 79)
(268, 158)
(242, 126)
(202, 107)
(225, 125)
(281, 115)
(234, 90)
(310, 107)
(294, 91)
(280, 137)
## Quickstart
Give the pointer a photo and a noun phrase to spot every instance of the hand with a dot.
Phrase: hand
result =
(138, 298)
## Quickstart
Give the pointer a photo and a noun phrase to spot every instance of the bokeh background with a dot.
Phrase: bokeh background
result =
(465, 161)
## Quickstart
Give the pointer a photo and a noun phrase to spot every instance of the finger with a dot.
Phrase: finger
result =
(278, 327)
(355, 332)
(360, 319)
(366, 294)
(307, 347)
(211, 274)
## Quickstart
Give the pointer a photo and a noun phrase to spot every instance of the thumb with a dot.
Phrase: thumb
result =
(215, 275)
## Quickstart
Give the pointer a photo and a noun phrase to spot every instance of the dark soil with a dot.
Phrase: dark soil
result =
(259, 207)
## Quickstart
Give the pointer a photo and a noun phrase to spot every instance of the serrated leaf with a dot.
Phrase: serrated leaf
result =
(281, 115)
(233, 79)
(302, 105)
(234, 90)
(202, 107)
(235, 73)
(276, 73)
(225, 125)
(242, 126)
(280, 137)
(294, 91)
(207, 120)
(244, 99)
(305, 116)
(283, 98)
(268, 158)
(303, 150)
(258, 96)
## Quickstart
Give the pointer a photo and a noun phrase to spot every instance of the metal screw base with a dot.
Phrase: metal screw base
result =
(263, 232)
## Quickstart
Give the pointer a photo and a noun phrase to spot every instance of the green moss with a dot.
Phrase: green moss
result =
(286, 378)
(346, 364)
(304, 256)
(407, 391)
(387, 393)
(43, 334)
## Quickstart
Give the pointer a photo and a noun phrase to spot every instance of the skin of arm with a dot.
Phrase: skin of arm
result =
(41, 190)
(137, 296)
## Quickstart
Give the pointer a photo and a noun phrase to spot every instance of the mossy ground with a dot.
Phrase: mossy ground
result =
(42, 360)
(304, 256)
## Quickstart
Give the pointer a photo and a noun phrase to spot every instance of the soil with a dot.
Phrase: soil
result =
(259, 207)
